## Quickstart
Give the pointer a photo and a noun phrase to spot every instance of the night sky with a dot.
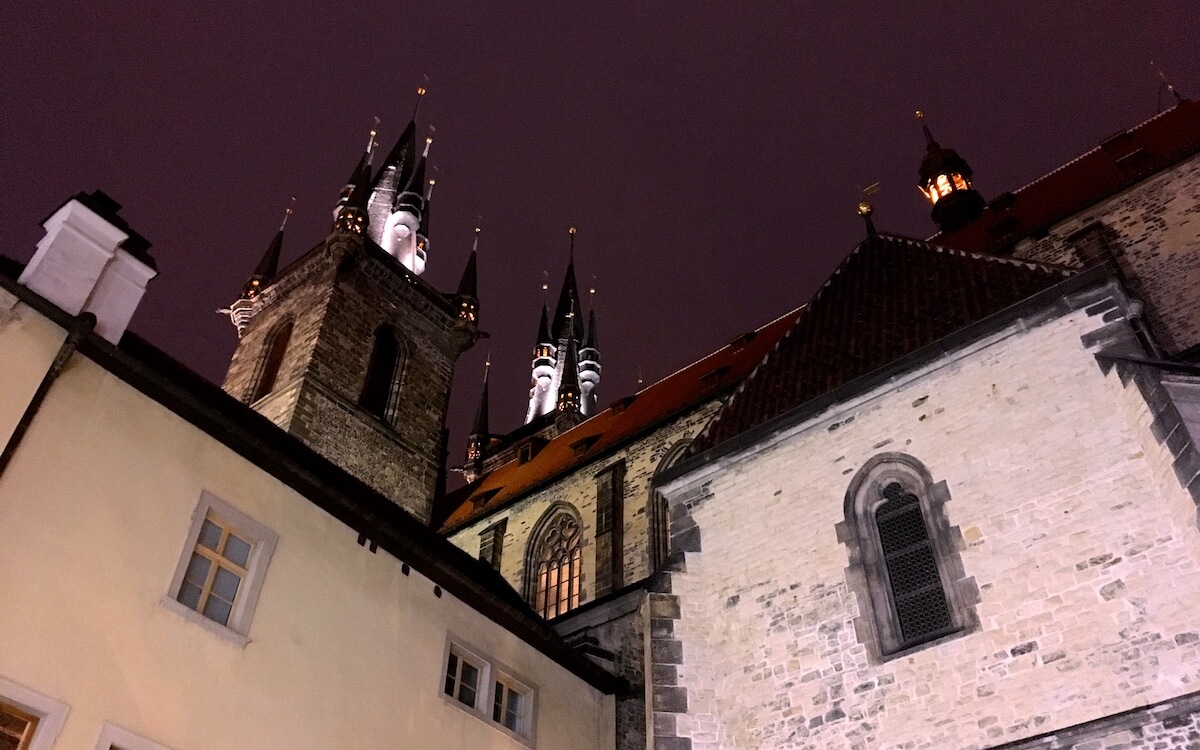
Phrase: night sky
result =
(711, 154)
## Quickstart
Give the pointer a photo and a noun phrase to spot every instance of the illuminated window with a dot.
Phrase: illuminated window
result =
(943, 185)
(272, 359)
(906, 571)
(959, 182)
(16, 727)
(555, 563)
(381, 391)
(28, 720)
(220, 574)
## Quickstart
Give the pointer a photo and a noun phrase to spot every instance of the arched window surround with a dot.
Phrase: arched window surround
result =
(266, 373)
(555, 515)
(658, 510)
(385, 374)
(878, 623)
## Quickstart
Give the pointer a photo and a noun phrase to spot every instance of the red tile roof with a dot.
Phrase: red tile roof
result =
(889, 298)
(620, 423)
(1118, 162)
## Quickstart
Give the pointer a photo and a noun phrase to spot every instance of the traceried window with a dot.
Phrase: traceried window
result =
(272, 360)
(905, 567)
(381, 390)
(555, 564)
(16, 727)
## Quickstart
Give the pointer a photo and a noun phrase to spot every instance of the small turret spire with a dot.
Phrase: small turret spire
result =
(945, 180)
(420, 98)
(930, 142)
(467, 296)
(568, 298)
(242, 309)
(480, 437)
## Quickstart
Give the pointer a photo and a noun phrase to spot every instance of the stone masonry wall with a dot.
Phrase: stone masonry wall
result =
(1067, 514)
(641, 458)
(1156, 231)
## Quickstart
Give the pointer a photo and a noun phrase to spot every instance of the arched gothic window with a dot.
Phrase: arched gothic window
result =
(554, 563)
(660, 519)
(381, 391)
(904, 561)
(272, 359)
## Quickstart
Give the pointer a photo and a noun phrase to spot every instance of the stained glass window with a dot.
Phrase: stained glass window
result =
(557, 567)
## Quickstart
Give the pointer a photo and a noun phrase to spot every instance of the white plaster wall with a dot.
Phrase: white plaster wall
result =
(1082, 544)
(578, 488)
(345, 650)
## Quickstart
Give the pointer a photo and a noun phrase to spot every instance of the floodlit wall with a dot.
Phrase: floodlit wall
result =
(1068, 517)
(345, 650)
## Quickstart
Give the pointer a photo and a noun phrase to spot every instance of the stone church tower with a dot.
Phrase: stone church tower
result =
(347, 348)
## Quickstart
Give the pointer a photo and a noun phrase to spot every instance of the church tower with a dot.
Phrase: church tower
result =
(565, 353)
(945, 179)
(348, 349)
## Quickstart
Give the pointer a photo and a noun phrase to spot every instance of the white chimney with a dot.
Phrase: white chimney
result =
(90, 260)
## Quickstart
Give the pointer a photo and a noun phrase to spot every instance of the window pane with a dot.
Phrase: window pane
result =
(512, 713)
(468, 684)
(210, 535)
(16, 726)
(498, 704)
(197, 569)
(217, 610)
(451, 674)
(237, 550)
(189, 595)
(225, 584)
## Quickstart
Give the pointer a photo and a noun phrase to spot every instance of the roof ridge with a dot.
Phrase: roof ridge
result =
(990, 257)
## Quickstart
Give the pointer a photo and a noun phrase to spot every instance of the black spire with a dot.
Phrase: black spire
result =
(401, 158)
(481, 416)
(567, 299)
(543, 333)
(590, 341)
(467, 296)
(945, 179)
(568, 387)
(265, 272)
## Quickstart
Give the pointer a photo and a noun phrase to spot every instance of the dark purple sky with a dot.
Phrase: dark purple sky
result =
(710, 153)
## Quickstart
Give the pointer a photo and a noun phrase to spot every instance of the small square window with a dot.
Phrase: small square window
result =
(220, 573)
(463, 678)
(508, 707)
(28, 720)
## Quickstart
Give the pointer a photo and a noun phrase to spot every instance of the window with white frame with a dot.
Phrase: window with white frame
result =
(113, 737)
(28, 720)
(489, 691)
(220, 573)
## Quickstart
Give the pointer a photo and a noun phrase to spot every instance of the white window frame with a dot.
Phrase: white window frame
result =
(491, 671)
(51, 714)
(113, 737)
(263, 540)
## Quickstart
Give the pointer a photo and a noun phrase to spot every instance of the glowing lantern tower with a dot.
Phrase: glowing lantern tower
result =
(946, 182)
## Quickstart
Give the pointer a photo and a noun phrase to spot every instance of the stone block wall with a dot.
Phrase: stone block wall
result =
(1155, 235)
(1069, 517)
(338, 296)
(641, 457)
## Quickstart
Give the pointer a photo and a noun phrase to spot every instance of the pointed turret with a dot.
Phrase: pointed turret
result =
(405, 237)
(542, 390)
(467, 297)
(478, 440)
(394, 174)
(242, 308)
(361, 174)
(589, 366)
(945, 179)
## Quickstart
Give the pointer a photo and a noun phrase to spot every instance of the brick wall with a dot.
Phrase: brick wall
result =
(1067, 513)
(1155, 228)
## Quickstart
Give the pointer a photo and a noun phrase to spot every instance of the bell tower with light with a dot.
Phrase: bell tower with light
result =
(945, 180)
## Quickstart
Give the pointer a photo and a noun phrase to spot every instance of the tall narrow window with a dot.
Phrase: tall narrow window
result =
(381, 391)
(554, 564)
(660, 523)
(268, 369)
(610, 529)
(905, 568)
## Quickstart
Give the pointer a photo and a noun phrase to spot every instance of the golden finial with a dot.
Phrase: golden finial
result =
(639, 382)
(420, 96)
(1170, 89)
(865, 209)
(592, 287)
(920, 115)
(545, 281)
(287, 212)
(475, 244)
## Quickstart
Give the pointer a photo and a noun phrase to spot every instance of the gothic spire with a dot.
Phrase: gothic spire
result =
(242, 309)
(568, 298)
(543, 333)
(467, 296)
(945, 179)
(481, 415)
(568, 387)
(590, 341)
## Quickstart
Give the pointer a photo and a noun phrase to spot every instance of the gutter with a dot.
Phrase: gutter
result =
(78, 329)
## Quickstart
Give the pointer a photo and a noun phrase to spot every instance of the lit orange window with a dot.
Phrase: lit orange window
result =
(959, 182)
(558, 563)
(943, 185)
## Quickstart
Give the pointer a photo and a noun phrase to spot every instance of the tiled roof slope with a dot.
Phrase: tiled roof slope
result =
(620, 423)
(1120, 161)
(890, 297)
